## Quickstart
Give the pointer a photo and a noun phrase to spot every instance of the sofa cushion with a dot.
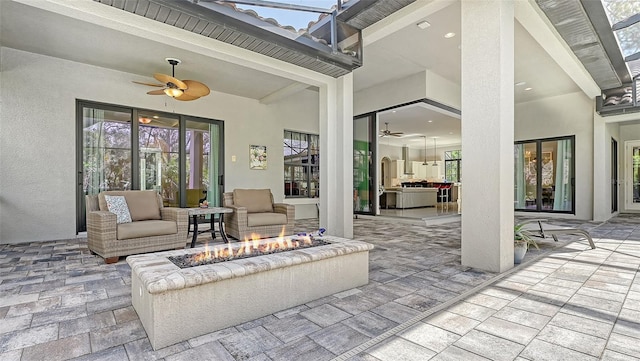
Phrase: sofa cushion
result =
(266, 219)
(143, 205)
(255, 200)
(146, 229)
(118, 206)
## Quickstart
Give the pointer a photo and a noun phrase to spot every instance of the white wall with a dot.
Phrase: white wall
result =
(37, 144)
(564, 115)
(418, 86)
(389, 94)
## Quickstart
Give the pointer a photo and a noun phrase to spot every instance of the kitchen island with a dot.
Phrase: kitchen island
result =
(408, 197)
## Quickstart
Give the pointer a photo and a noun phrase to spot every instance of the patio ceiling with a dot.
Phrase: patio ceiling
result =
(309, 49)
(585, 28)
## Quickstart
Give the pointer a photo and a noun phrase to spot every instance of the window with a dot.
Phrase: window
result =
(544, 175)
(121, 148)
(452, 165)
(301, 165)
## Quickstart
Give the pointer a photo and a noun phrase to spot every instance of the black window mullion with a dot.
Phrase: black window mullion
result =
(182, 161)
(135, 151)
(538, 175)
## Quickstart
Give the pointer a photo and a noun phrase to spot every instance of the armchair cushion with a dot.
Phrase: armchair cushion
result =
(255, 200)
(118, 206)
(266, 219)
(146, 229)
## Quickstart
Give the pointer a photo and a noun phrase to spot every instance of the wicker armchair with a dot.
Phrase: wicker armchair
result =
(153, 227)
(254, 213)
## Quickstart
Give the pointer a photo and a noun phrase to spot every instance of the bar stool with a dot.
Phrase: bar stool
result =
(443, 194)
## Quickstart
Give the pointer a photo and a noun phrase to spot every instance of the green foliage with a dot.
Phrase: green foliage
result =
(521, 236)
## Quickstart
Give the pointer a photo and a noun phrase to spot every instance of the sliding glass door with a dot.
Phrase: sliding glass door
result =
(544, 175)
(158, 151)
(203, 153)
(365, 195)
(181, 157)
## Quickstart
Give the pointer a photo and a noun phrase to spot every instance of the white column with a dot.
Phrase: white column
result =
(487, 134)
(336, 157)
(601, 170)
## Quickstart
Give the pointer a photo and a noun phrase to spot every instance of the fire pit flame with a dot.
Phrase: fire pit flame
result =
(249, 248)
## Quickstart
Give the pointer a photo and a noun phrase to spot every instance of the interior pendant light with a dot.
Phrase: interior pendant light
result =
(425, 150)
(434, 152)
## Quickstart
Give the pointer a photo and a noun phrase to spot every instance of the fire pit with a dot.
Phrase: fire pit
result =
(249, 248)
(176, 304)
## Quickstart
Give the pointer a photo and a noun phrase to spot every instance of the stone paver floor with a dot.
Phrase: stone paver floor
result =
(566, 301)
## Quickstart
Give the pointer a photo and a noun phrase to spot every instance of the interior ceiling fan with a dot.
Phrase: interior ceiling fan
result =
(386, 132)
(178, 89)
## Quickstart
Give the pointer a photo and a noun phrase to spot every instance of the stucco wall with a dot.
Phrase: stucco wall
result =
(418, 86)
(37, 143)
(564, 115)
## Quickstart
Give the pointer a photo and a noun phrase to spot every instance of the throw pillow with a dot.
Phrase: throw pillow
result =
(118, 205)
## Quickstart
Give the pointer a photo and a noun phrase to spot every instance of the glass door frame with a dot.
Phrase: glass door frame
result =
(372, 174)
(628, 177)
(135, 151)
(538, 143)
(614, 176)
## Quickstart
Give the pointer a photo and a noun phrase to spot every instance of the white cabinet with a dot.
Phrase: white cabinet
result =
(426, 171)
(433, 172)
(397, 168)
(419, 170)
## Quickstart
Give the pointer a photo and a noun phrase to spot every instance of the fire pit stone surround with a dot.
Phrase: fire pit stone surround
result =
(175, 304)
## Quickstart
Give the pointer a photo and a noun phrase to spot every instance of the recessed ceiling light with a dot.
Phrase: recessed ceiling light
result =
(527, 89)
(393, 111)
(423, 24)
(156, 117)
(449, 35)
(450, 132)
(521, 83)
(430, 121)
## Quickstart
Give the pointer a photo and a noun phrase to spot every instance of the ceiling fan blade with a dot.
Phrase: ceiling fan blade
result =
(149, 84)
(397, 134)
(186, 97)
(164, 78)
(156, 92)
(196, 88)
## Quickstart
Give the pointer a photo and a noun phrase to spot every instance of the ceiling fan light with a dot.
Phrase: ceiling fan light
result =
(173, 92)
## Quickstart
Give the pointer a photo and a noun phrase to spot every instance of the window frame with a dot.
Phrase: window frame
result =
(539, 191)
(449, 158)
(308, 166)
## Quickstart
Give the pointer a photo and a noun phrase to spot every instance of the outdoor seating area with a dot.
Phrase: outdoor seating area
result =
(565, 300)
(137, 223)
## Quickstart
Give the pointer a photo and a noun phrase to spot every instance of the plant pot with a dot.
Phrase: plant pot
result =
(519, 250)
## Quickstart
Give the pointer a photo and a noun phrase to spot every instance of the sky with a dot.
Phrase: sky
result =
(297, 19)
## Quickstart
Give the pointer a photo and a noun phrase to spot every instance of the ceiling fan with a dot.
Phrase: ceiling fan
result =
(178, 89)
(386, 132)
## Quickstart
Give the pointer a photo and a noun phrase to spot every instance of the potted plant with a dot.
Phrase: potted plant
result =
(521, 242)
